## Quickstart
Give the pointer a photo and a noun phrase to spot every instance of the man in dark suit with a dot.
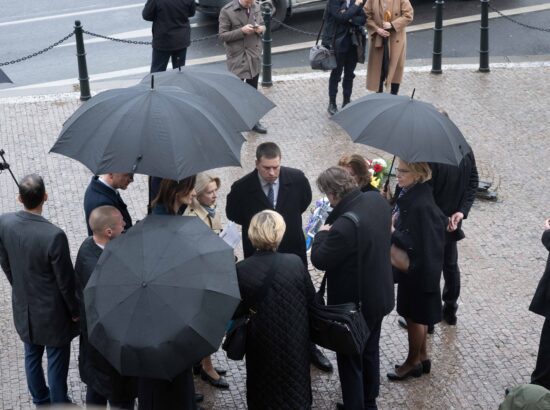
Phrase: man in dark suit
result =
(283, 189)
(35, 257)
(103, 190)
(103, 381)
(344, 251)
(541, 305)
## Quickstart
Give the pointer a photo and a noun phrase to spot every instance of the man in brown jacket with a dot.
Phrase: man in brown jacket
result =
(241, 28)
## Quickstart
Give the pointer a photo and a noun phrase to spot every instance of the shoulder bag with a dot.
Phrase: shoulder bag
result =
(341, 328)
(320, 57)
(235, 339)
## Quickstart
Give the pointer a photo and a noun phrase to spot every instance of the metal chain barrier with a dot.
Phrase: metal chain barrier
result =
(38, 52)
(547, 30)
(145, 43)
(296, 30)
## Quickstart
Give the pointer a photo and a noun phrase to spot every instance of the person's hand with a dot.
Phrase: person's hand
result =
(393, 221)
(382, 33)
(259, 29)
(248, 29)
(75, 319)
(325, 227)
(385, 192)
(358, 2)
(454, 220)
(547, 224)
(387, 25)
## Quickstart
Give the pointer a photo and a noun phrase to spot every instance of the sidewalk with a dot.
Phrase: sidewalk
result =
(504, 116)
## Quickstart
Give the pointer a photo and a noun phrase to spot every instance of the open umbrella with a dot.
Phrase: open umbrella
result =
(4, 77)
(413, 130)
(163, 132)
(243, 105)
(161, 296)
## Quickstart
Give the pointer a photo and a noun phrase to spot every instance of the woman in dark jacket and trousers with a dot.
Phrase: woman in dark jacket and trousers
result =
(541, 306)
(419, 229)
(179, 393)
(345, 21)
(277, 344)
(171, 31)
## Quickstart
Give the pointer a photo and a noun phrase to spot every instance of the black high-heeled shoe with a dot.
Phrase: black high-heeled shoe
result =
(426, 366)
(221, 383)
(197, 370)
(416, 371)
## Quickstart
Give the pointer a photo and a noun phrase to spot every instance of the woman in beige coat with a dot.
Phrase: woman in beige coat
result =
(392, 28)
(204, 207)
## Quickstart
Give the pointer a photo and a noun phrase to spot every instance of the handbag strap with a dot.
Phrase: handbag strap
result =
(265, 286)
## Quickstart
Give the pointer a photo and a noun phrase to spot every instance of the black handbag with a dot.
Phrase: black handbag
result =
(341, 328)
(235, 338)
(321, 57)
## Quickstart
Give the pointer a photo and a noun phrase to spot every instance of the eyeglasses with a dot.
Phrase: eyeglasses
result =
(402, 171)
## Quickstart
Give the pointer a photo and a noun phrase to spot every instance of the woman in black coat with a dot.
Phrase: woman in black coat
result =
(277, 344)
(418, 229)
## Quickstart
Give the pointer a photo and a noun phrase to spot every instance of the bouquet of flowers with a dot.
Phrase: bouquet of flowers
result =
(379, 170)
(319, 214)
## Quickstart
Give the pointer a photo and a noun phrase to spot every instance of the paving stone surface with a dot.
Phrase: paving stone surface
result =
(504, 114)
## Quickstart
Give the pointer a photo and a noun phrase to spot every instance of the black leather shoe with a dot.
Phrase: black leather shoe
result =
(319, 360)
(414, 372)
(259, 128)
(345, 102)
(426, 366)
(449, 317)
(507, 391)
(340, 406)
(221, 383)
(332, 108)
(199, 397)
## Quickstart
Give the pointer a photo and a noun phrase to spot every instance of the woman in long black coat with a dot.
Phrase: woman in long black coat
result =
(277, 344)
(419, 230)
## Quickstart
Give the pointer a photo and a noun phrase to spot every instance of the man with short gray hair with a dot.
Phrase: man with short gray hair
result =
(345, 250)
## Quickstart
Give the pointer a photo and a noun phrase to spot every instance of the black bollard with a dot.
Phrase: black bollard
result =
(266, 42)
(438, 37)
(484, 38)
(81, 59)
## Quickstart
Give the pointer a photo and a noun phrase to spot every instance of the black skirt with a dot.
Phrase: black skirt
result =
(415, 304)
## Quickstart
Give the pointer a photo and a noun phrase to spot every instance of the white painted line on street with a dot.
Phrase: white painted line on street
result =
(75, 13)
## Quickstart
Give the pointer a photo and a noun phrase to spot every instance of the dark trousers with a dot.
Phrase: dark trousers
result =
(161, 58)
(541, 375)
(252, 81)
(96, 399)
(58, 368)
(451, 274)
(178, 394)
(360, 374)
(346, 63)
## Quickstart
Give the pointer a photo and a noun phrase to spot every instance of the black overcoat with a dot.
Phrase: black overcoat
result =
(336, 252)
(98, 194)
(171, 27)
(34, 254)
(277, 345)
(247, 198)
(541, 301)
(94, 369)
(339, 20)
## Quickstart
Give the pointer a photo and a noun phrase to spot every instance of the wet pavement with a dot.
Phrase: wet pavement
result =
(504, 116)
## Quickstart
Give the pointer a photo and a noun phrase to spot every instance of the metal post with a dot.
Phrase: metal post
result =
(438, 37)
(266, 41)
(82, 67)
(484, 38)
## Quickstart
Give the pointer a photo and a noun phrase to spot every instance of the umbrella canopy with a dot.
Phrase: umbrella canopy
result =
(163, 132)
(413, 130)
(5, 79)
(242, 104)
(161, 296)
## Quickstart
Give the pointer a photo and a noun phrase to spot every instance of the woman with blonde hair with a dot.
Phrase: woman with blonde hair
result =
(418, 229)
(276, 289)
(203, 206)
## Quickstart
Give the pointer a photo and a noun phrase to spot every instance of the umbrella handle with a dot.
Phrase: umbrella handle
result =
(4, 165)
(387, 183)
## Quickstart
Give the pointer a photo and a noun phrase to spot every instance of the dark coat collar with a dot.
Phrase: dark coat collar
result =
(343, 205)
(31, 216)
(256, 188)
(418, 190)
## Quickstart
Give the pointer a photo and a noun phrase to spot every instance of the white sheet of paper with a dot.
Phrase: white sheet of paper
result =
(231, 235)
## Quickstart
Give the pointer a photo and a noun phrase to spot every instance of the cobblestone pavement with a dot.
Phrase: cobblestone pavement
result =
(494, 345)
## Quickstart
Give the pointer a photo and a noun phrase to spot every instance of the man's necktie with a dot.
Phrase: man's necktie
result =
(271, 195)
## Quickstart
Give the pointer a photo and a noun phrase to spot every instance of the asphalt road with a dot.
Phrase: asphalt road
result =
(27, 26)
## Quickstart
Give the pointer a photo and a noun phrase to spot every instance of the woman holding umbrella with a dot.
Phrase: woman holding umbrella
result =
(386, 22)
(419, 231)
(204, 207)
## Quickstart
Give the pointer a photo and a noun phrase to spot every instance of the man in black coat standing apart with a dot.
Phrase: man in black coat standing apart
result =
(345, 251)
(35, 257)
(282, 189)
(171, 31)
(102, 380)
(103, 190)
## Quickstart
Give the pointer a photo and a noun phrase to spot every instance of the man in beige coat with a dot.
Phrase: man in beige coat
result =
(241, 28)
(392, 28)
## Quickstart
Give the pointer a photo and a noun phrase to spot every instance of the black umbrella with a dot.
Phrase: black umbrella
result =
(161, 296)
(4, 77)
(413, 130)
(163, 132)
(242, 104)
